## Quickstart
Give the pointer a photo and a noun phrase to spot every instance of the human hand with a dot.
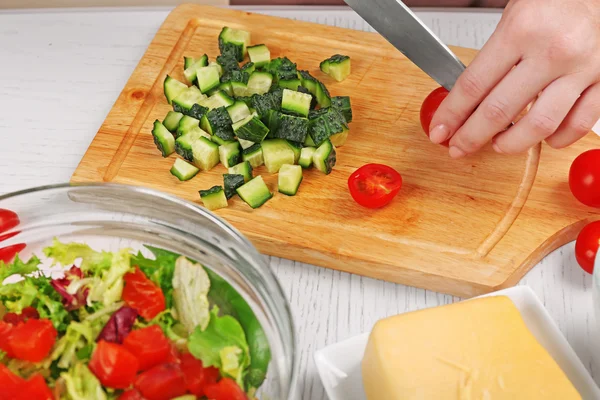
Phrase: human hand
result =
(547, 46)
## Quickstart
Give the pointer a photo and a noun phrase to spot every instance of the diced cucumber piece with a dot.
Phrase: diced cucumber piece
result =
(259, 83)
(277, 152)
(171, 121)
(235, 42)
(309, 141)
(336, 66)
(245, 143)
(267, 102)
(339, 139)
(306, 157)
(251, 128)
(218, 99)
(231, 182)
(228, 63)
(289, 179)
(308, 81)
(255, 192)
(214, 198)
(313, 101)
(217, 122)
(185, 125)
(238, 111)
(323, 97)
(217, 66)
(296, 148)
(291, 128)
(191, 65)
(230, 154)
(295, 103)
(282, 69)
(164, 140)
(208, 78)
(259, 55)
(239, 89)
(253, 155)
(324, 157)
(342, 103)
(249, 67)
(291, 84)
(187, 99)
(324, 123)
(183, 171)
(205, 154)
(243, 168)
(172, 88)
(184, 143)
(220, 141)
(226, 88)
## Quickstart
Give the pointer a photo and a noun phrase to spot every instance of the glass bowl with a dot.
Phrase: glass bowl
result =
(110, 217)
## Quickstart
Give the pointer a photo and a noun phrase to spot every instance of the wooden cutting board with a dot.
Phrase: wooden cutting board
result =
(461, 227)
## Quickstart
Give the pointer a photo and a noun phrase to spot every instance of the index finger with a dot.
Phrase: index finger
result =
(492, 63)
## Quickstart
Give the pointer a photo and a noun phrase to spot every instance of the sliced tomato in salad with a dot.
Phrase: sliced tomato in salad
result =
(5, 331)
(225, 389)
(162, 382)
(131, 394)
(113, 365)
(196, 376)
(149, 345)
(32, 340)
(34, 388)
(27, 313)
(143, 294)
(9, 382)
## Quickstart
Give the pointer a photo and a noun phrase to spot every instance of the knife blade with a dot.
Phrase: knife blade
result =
(393, 20)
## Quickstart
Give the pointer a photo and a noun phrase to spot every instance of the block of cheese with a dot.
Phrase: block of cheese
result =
(478, 349)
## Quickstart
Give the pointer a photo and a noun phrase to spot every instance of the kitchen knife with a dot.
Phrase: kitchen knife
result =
(401, 27)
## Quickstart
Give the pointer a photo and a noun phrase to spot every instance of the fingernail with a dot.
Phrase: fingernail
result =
(439, 133)
(496, 148)
(455, 152)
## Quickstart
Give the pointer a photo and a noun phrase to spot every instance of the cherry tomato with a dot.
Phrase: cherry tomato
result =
(32, 340)
(374, 185)
(131, 394)
(584, 178)
(143, 294)
(7, 253)
(149, 345)
(8, 220)
(113, 365)
(35, 388)
(9, 382)
(225, 389)
(430, 106)
(163, 382)
(586, 246)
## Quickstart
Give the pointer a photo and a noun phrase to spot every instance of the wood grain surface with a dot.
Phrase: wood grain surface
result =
(465, 228)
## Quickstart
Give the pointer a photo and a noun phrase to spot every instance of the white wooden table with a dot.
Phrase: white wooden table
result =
(61, 71)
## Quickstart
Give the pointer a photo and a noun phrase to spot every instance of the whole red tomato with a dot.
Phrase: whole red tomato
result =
(584, 178)
(374, 185)
(586, 246)
(430, 106)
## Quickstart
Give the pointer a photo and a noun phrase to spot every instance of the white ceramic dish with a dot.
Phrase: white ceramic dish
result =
(339, 364)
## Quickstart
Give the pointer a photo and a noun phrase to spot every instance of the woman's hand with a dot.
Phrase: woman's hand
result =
(547, 46)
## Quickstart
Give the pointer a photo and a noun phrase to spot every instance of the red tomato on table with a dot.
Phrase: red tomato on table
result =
(35, 388)
(586, 246)
(225, 389)
(162, 382)
(113, 365)
(9, 382)
(143, 294)
(149, 345)
(32, 340)
(430, 106)
(584, 178)
(374, 185)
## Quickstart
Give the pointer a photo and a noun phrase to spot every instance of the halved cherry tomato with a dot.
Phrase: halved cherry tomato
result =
(143, 294)
(5, 332)
(32, 340)
(163, 382)
(430, 106)
(225, 389)
(10, 383)
(149, 345)
(113, 365)
(586, 246)
(374, 185)
(35, 388)
(7, 253)
(131, 394)
(584, 178)
(8, 220)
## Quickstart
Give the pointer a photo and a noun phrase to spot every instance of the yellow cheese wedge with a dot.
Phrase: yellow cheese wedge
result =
(478, 349)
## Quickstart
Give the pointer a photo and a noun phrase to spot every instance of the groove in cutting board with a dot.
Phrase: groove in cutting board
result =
(463, 227)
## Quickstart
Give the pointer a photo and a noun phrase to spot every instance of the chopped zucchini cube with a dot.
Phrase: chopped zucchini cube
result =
(239, 89)
(208, 78)
(259, 55)
(171, 121)
(164, 140)
(255, 192)
(336, 66)
(296, 148)
(253, 155)
(184, 102)
(228, 63)
(259, 83)
(342, 103)
(313, 101)
(230, 154)
(291, 128)
(238, 111)
(289, 179)
(185, 125)
(214, 198)
(324, 123)
(184, 143)
(231, 182)
(308, 81)
(243, 168)
(226, 88)
(183, 170)
(217, 66)
(249, 67)
(217, 122)
(282, 69)
(235, 42)
(276, 152)
(323, 97)
(324, 157)
(205, 154)
(218, 99)
(306, 157)
(295, 103)
(191, 65)
(172, 88)
(251, 128)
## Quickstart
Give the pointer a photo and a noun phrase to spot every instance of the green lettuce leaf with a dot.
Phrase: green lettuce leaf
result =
(79, 335)
(218, 341)
(19, 267)
(109, 288)
(159, 270)
(81, 384)
(190, 294)
(91, 261)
